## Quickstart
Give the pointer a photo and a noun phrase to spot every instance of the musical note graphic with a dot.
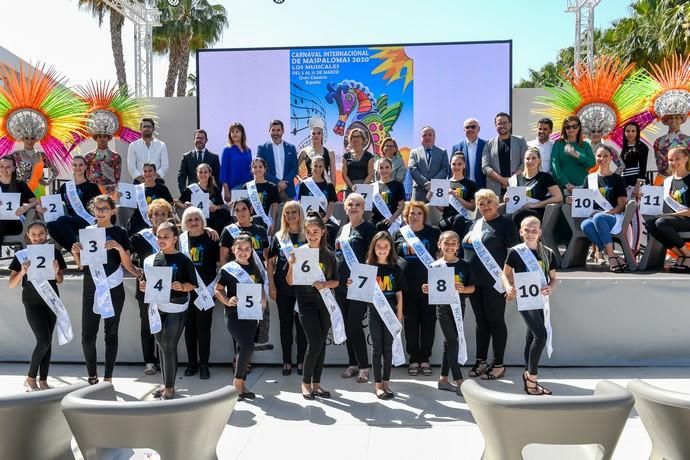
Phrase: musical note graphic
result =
(309, 106)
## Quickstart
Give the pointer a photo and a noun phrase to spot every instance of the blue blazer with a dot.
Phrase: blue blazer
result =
(479, 177)
(265, 151)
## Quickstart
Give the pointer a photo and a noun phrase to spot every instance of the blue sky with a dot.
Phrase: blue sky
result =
(80, 50)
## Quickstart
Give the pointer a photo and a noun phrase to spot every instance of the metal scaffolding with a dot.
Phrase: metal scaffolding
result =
(584, 29)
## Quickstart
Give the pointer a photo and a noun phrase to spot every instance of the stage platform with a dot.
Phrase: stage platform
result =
(599, 319)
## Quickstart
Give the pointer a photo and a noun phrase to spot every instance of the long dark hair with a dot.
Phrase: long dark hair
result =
(212, 186)
(12, 186)
(392, 258)
(243, 139)
(314, 218)
(245, 237)
(637, 134)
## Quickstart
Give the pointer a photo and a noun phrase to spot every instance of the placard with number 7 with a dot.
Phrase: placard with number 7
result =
(363, 278)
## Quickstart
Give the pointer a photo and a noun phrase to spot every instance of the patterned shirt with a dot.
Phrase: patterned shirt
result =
(665, 143)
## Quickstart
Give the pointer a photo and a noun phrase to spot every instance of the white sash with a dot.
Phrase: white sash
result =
(337, 322)
(102, 302)
(204, 299)
(593, 184)
(77, 205)
(380, 302)
(533, 266)
(455, 203)
(417, 245)
(318, 193)
(235, 231)
(150, 238)
(286, 245)
(256, 203)
(385, 212)
(236, 270)
(456, 308)
(673, 204)
(155, 324)
(51, 299)
(485, 256)
(140, 195)
(194, 188)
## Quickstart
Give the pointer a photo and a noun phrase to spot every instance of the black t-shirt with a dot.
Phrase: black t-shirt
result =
(537, 186)
(416, 273)
(136, 222)
(214, 196)
(359, 239)
(468, 187)
(118, 234)
(504, 157)
(204, 254)
(498, 235)
(19, 187)
(183, 271)
(281, 262)
(680, 191)
(326, 161)
(515, 262)
(141, 248)
(326, 188)
(392, 193)
(462, 274)
(611, 188)
(391, 280)
(268, 194)
(29, 294)
(357, 170)
(86, 191)
(259, 239)
(308, 298)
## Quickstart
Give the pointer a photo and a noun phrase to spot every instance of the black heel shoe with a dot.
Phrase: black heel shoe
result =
(309, 396)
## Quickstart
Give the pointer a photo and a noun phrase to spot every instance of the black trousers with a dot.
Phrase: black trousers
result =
(451, 344)
(420, 326)
(489, 307)
(456, 223)
(382, 347)
(167, 340)
(65, 229)
(354, 313)
(197, 333)
(519, 216)
(315, 322)
(535, 339)
(666, 228)
(288, 318)
(219, 220)
(9, 227)
(242, 331)
(148, 341)
(41, 320)
(90, 322)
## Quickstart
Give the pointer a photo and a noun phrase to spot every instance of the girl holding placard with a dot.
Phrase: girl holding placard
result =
(666, 227)
(66, 228)
(358, 232)
(289, 236)
(317, 185)
(391, 191)
(313, 313)
(106, 281)
(265, 193)
(448, 245)
(10, 184)
(152, 190)
(524, 258)
(241, 270)
(173, 313)
(245, 223)
(219, 215)
(486, 246)
(39, 315)
(456, 216)
(612, 195)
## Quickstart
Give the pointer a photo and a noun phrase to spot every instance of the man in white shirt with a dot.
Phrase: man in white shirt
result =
(544, 143)
(147, 150)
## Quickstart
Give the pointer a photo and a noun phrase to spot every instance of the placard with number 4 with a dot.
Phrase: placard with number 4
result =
(158, 284)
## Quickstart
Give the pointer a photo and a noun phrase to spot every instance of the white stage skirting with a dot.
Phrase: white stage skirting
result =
(599, 319)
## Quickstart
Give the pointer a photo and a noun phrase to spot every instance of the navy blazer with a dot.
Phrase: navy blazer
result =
(479, 177)
(265, 151)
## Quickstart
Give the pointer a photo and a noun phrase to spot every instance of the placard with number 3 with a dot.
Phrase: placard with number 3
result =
(93, 250)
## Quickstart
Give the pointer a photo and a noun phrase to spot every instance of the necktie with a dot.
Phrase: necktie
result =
(199, 156)
(428, 155)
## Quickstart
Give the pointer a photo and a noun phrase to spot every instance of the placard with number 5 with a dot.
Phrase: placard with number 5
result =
(528, 291)
(304, 272)
(93, 250)
(441, 285)
(158, 282)
(249, 301)
(363, 277)
(41, 257)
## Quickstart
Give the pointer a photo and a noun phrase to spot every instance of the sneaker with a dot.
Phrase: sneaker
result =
(204, 373)
(149, 369)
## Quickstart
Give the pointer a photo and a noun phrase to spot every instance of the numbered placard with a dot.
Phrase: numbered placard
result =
(128, 199)
(363, 282)
(53, 206)
(305, 272)
(236, 195)
(201, 201)
(652, 203)
(517, 198)
(439, 192)
(158, 284)
(41, 257)
(528, 291)
(366, 190)
(309, 203)
(582, 204)
(441, 285)
(93, 250)
(9, 203)
(249, 301)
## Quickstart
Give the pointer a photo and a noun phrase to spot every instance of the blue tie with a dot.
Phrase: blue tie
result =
(428, 156)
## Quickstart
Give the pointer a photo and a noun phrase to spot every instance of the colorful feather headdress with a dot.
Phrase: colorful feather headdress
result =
(604, 98)
(35, 103)
(112, 111)
(671, 94)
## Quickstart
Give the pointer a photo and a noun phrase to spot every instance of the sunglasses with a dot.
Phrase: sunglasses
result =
(595, 131)
(471, 127)
(572, 126)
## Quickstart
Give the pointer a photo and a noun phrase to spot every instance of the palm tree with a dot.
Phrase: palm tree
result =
(191, 25)
(98, 9)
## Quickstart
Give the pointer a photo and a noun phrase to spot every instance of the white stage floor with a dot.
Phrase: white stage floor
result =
(356, 425)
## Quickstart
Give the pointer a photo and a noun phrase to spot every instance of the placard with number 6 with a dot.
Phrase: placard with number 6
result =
(9, 203)
(439, 192)
(201, 201)
(93, 250)
(652, 203)
(366, 190)
(517, 198)
(304, 272)
(41, 257)
(128, 198)
(582, 204)
(528, 291)
(249, 301)
(53, 207)
(363, 277)
(441, 285)
(158, 282)
(309, 203)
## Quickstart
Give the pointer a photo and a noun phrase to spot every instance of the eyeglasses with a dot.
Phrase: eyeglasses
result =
(595, 131)
(572, 126)
(471, 127)
(106, 209)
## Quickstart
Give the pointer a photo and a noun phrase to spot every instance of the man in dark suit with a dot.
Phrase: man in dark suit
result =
(281, 161)
(190, 160)
(427, 162)
(472, 147)
(503, 155)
